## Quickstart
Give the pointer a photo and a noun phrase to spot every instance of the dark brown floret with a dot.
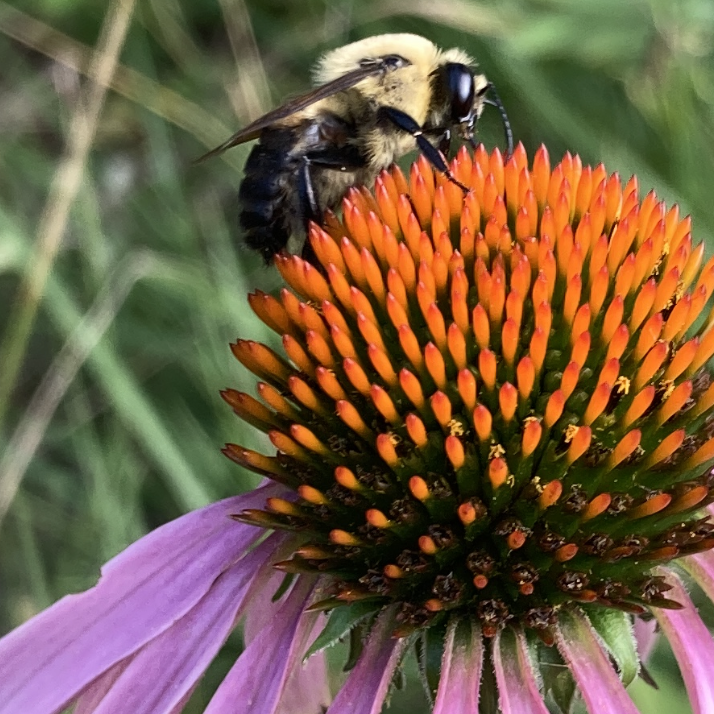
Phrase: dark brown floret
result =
(540, 617)
(480, 563)
(576, 501)
(448, 588)
(597, 544)
(411, 561)
(573, 582)
(621, 503)
(550, 541)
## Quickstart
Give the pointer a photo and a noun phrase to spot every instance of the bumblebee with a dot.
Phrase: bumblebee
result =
(374, 101)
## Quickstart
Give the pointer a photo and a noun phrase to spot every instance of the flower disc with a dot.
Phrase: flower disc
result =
(493, 404)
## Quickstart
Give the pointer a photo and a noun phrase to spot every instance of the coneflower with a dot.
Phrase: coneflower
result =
(493, 429)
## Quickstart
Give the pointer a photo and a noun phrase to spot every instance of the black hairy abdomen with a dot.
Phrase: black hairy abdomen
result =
(264, 196)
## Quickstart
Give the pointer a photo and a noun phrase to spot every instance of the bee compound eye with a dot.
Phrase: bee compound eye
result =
(460, 84)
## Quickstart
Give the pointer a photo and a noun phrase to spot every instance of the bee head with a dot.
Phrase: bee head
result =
(467, 94)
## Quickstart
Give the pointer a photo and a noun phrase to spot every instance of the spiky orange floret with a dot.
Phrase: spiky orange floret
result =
(493, 403)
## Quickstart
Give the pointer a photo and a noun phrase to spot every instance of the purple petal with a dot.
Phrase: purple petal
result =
(256, 681)
(692, 645)
(260, 610)
(646, 635)
(308, 681)
(166, 670)
(98, 689)
(180, 706)
(518, 691)
(599, 684)
(701, 568)
(367, 685)
(461, 667)
(47, 661)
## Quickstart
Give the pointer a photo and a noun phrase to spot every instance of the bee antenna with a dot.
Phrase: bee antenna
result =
(495, 101)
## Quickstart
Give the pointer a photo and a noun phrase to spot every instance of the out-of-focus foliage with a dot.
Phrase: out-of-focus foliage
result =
(111, 423)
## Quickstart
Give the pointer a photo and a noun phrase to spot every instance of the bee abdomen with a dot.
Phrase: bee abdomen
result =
(266, 211)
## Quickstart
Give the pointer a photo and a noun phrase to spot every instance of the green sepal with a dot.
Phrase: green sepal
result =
(564, 691)
(558, 681)
(615, 629)
(399, 679)
(429, 646)
(357, 641)
(488, 692)
(283, 587)
(341, 621)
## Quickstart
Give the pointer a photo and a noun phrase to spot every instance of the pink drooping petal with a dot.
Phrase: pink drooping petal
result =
(368, 683)
(166, 669)
(308, 682)
(47, 661)
(599, 684)
(701, 568)
(257, 680)
(260, 611)
(178, 709)
(97, 690)
(518, 691)
(461, 667)
(692, 645)
(646, 636)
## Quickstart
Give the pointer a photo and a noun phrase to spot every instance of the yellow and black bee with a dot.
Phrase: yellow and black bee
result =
(375, 100)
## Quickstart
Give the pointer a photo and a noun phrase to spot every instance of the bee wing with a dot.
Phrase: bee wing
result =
(297, 104)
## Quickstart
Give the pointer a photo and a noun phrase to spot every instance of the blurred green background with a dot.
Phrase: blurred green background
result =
(120, 277)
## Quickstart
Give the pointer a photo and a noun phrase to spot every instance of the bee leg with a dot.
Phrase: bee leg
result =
(309, 205)
(306, 191)
(441, 137)
(345, 158)
(445, 142)
(404, 122)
